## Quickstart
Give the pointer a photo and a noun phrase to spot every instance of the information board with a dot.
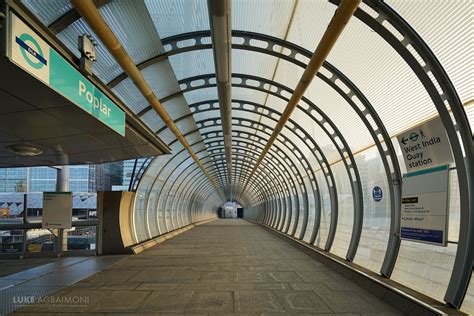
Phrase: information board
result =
(424, 213)
(425, 146)
(57, 210)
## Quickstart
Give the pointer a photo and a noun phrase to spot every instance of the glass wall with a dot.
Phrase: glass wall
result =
(21, 190)
(375, 230)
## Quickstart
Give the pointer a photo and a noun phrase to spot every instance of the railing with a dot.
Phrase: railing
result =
(21, 240)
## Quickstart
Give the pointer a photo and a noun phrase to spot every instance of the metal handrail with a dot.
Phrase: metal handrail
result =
(39, 225)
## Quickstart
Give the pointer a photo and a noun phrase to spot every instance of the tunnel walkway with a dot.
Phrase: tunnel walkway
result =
(222, 267)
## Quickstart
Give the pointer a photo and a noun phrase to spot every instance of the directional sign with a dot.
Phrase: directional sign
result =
(425, 146)
(424, 213)
(30, 52)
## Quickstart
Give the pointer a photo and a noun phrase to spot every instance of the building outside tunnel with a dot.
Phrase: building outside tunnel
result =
(237, 156)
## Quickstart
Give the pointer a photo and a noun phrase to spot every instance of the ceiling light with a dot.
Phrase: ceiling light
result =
(26, 150)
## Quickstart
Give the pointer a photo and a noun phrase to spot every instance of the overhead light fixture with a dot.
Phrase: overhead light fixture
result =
(25, 150)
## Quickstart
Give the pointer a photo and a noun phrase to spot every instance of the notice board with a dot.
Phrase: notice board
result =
(424, 213)
(57, 210)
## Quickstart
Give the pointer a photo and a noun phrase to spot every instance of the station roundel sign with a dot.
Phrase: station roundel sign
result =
(377, 193)
(33, 55)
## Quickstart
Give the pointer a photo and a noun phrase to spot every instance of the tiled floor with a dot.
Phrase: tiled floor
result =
(223, 267)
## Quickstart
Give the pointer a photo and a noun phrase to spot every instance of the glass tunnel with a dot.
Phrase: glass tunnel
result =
(215, 84)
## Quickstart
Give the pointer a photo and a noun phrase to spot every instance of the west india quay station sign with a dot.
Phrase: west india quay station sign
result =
(30, 52)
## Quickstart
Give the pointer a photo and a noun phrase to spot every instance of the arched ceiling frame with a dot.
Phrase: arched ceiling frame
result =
(257, 191)
(270, 165)
(308, 141)
(273, 164)
(296, 129)
(322, 160)
(365, 111)
(184, 176)
(293, 145)
(285, 141)
(462, 148)
(244, 140)
(149, 211)
(174, 141)
(283, 186)
(338, 146)
(278, 195)
(286, 192)
(184, 117)
(182, 201)
(276, 156)
(176, 156)
(298, 154)
(214, 170)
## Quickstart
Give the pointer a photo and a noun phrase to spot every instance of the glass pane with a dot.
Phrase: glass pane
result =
(134, 28)
(11, 241)
(450, 37)
(376, 225)
(425, 268)
(194, 63)
(270, 17)
(11, 208)
(325, 211)
(470, 116)
(50, 12)
(172, 17)
(345, 210)
(81, 238)
(39, 240)
(253, 63)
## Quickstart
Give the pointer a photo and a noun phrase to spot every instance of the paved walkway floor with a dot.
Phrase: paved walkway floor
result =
(223, 267)
(12, 266)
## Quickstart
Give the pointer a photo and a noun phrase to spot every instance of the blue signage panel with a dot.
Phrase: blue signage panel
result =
(377, 194)
(428, 235)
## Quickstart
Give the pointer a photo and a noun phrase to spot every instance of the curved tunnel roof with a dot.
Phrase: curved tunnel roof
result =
(397, 64)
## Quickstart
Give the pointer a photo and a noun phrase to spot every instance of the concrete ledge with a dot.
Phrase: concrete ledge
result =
(403, 298)
(136, 249)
